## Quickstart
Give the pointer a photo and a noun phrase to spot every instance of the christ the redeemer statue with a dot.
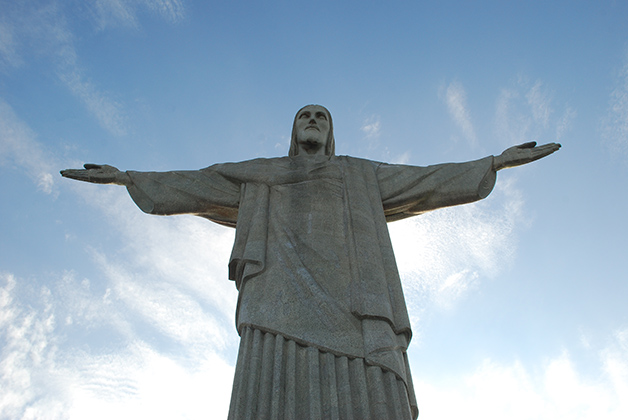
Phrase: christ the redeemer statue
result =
(321, 314)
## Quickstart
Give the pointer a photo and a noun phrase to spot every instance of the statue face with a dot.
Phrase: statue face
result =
(312, 130)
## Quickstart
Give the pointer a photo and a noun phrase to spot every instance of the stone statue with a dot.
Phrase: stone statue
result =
(321, 313)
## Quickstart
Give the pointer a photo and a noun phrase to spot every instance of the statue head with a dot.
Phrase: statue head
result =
(312, 132)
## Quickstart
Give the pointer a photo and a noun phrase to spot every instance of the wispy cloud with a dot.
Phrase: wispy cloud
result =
(564, 123)
(553, 390)
(441, 255)
(525, 112)
(172, 10)
(108, 13)
(173, 268)
(513, 126)
(371, 127)
(615, 122)
(41, 30)
(9, 56)
(539, 101)
(43, 376)
(455, 98)
(27, 357)
(108, 112)
(164, 321)
(162, 312)
(19, 147)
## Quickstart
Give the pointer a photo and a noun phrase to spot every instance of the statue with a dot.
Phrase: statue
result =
(321, 313)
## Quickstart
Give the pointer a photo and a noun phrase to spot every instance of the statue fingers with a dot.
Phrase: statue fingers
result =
(92, 166)
(79, 174)
(550, 147)
(528, 145)
(544, 150)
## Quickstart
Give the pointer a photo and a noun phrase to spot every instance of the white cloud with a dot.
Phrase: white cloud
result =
(442, 254)
(108, 112)
(19, 147)
(43, 32)
(615, 123)
(171, 269)
(456, 100)
(539, 101)
(167, 306)
(187, 251)
(28, 353)
(124, 12)
(525, 113)
(8, 42)
(154, 386)
(565, 122)
(43, 377)
(40, 30)
(163, 310)
(402, 159)
(554, 390)
(371, 127)
(172, 10)
(512, 126)
(114, 12)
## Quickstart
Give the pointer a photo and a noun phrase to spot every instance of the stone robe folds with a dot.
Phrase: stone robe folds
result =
(312, 257)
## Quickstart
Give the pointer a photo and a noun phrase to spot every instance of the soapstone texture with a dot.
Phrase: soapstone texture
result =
(321, 314)
(312, 258)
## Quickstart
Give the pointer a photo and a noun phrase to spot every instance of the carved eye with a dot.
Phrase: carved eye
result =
(305, 115)
(321, 115)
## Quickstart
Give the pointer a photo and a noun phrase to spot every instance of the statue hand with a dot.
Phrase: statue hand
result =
(522, 154)
(98, 174)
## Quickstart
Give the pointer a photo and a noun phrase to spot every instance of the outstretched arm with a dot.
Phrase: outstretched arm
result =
(522, 154)
(213, 192)
(99, 174)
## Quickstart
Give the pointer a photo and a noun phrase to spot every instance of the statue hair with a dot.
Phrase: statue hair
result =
(330, 147)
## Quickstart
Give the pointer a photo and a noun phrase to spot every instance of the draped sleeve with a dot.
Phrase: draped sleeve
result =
(208, 193)
(412, 190)
(231, 194)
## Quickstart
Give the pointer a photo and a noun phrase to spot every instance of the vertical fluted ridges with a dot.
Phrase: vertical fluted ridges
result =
(279, 379)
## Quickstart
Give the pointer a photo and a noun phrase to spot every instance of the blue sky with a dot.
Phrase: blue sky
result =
(517, 302)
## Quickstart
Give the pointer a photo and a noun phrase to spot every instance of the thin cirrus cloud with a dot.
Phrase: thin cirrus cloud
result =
(371, 127)
(27, 358)
(18, 145)
(455, 98)
(539, 101)
(527, 112)
(42, 31)
(108, 13)
(152, 329)
(551, 391)
(615, 122)
(173, 269)
(44, 377)
(441, 255)
(444, 254)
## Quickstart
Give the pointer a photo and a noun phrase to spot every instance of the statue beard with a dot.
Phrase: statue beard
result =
(311, 146)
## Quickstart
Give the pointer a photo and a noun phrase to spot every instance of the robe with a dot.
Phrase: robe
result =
(321, 314)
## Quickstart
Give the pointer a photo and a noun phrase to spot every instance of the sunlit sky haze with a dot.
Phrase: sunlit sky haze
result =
(517, 302)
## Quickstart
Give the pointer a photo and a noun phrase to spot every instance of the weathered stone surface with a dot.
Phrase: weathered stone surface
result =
(320, 311)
